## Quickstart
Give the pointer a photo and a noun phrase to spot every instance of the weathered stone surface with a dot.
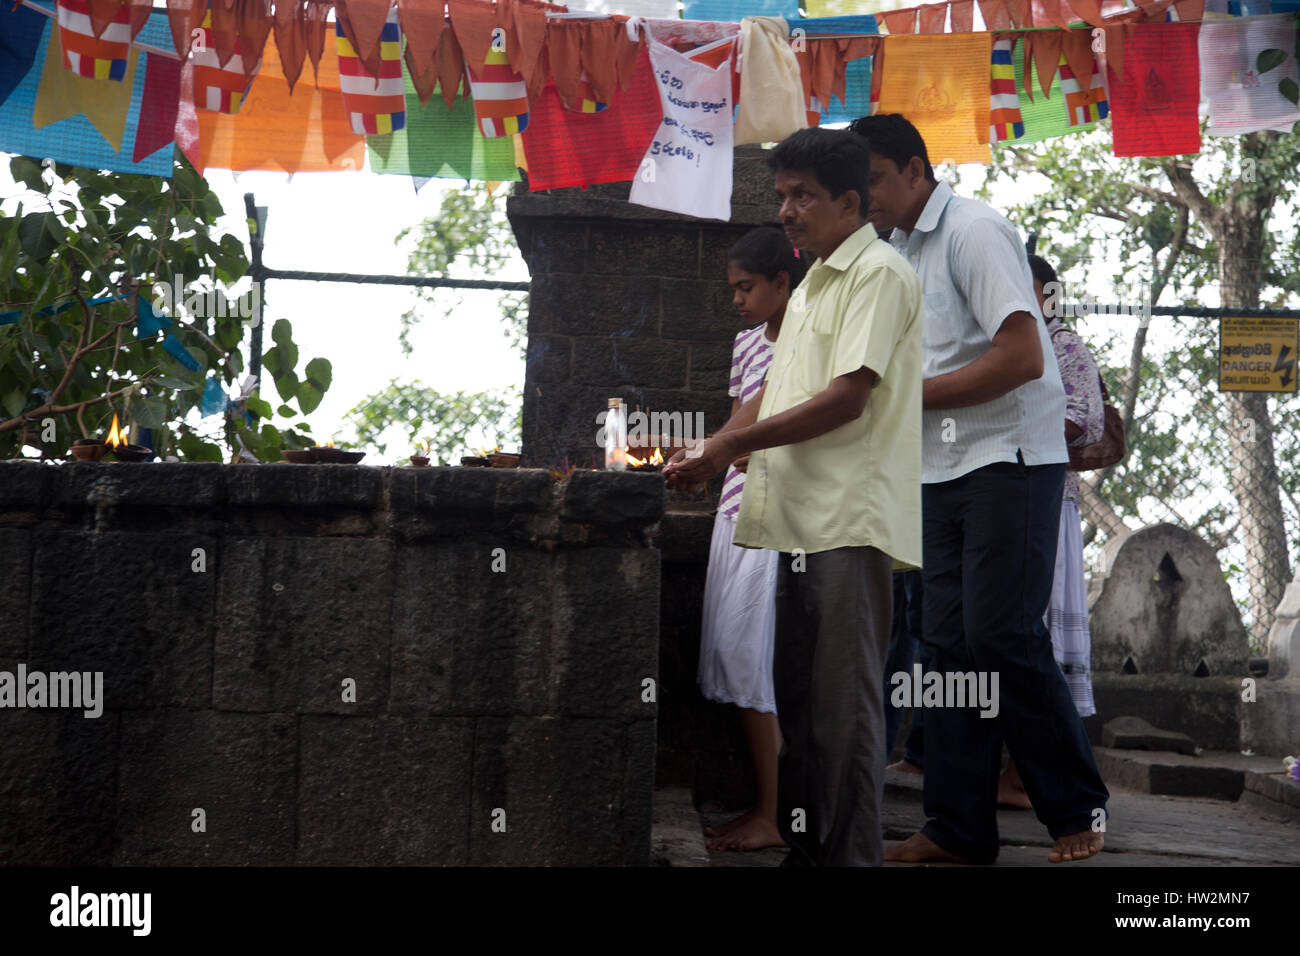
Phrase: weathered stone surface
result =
(129, 605)
(1166, 605)
(468, 639)
(665, 251)
(604, 634)
(305, 486)
(1278, 787)
(700, 311)
(24, 485)
(615, 360)
(710, 364)
(1206, 709)
(98, 485)
(598, 817)
(583, 305)
(386, 791)
(1284, 635)
(1134, 733)
(295, 618)
(57, 781)
(1270, 723)
(611, 498)
(481, 492)
(560, 247)
(232, 766)
(15, 594)
(550, 358)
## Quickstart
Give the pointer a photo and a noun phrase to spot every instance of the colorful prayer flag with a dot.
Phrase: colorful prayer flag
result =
(500, 100)
(102, 58)
(1155, 100)
(217, 88)
(1083, 106)
(374, 106)
(1239, 98)
(941, 84)
(1005, 121)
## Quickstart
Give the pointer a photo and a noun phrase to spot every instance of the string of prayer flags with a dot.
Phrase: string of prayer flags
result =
(737, 10)
(441, 143)
(219, 88)
(588, 102)
(374, 105)
(771, 102)
(500, 100)
(566, 148)
(101, 57)
(1005, 121)
(941, 84)
(1248, 67)
(1155, 100)
(1083, 107)
(1044, 116)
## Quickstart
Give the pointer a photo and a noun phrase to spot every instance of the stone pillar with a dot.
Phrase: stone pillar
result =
(627, 301)
(1284, 636)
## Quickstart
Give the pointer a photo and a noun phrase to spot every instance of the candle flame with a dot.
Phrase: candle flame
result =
(117, 436)
(634, 462)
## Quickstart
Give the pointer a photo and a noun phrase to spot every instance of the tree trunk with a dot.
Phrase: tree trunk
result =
(1254, 475)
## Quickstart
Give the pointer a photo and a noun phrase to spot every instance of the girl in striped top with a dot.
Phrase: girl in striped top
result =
(736, 635)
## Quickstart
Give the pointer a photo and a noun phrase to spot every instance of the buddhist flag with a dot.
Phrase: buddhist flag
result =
(941, 84)
(217, 88)
(587, 102)
(1005, 121)
(500, 100)
(102, 58)
(1083, 106)
(1155, 100)
(375, 106)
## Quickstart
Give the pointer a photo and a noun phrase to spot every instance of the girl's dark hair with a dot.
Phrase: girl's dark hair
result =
(1042, 270)
(767, 252)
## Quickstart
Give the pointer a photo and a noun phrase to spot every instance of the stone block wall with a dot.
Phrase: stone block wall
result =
(228, 607)
(627, 301)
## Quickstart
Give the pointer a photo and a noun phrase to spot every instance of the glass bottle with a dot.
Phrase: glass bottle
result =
(616, 436)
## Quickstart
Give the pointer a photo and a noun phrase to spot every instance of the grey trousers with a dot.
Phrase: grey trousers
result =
(832, 633)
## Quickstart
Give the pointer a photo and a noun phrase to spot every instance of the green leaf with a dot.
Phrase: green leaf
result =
(258, 407)
(286, 384)
(35, 236)
(1289, 89)
(1268, 59)
(13, 402)
(168, 382)
(149, 413)
(309, 397)
(286, 411)
(320, 373)
(27, 171)
(193, 448)
(272, 360)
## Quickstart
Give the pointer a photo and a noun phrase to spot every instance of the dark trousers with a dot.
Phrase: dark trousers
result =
(832, 631)
(904, 636)
(989, 553)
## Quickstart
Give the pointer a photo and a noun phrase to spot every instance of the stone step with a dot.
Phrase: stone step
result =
(1272, 794)
(1218, 774)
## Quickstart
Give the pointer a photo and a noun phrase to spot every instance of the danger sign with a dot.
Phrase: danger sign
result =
(1257, 355)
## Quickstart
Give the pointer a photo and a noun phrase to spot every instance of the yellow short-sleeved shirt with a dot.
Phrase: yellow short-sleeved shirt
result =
(860, 484)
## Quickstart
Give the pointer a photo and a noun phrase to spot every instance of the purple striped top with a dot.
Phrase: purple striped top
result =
(750, 357)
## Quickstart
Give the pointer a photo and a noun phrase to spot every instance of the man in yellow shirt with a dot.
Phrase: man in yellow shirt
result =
(834, 482)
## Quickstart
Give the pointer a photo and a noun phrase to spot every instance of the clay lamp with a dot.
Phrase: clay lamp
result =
(89, 449)
(504, 459)
(654, 462)
(122, 449)
(421, 457)
(327, 454)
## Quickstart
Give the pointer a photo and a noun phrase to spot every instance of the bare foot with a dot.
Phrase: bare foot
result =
(902, 766)
(1011, 797)
(755, 834)
(1076, 846)
(919, 848)
(724, 828)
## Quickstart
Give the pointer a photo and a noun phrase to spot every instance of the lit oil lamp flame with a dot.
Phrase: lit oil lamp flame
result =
(656, 459)
(117, 436)
(634, 462)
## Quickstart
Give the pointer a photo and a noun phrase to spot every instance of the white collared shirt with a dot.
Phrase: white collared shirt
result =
(974, 274)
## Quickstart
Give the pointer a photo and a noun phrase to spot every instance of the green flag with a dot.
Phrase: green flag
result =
(1046, 116)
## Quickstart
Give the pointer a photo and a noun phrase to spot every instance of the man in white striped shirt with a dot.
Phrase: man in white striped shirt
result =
(993, 467)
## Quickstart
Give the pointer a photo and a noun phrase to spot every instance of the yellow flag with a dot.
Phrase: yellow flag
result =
(63, 93)
(520, 159)
(941, 84)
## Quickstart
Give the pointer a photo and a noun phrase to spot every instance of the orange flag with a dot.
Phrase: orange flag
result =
(308, 131)
(941, 84)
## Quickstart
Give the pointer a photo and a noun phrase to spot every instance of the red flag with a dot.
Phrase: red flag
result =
(1153, 103)
(162, 94)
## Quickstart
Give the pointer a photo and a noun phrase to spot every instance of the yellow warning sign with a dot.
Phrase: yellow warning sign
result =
(1257, 355)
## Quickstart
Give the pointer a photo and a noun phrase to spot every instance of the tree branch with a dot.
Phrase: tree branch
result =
(1180, 177)
(1158, 194)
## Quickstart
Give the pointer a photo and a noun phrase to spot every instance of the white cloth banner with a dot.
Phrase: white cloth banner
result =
(687, 168)
(1236, 95)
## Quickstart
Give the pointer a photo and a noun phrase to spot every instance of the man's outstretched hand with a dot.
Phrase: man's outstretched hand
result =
(697, 465)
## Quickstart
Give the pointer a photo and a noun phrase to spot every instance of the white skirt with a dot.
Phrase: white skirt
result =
(739, 626)
(1067, 615)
